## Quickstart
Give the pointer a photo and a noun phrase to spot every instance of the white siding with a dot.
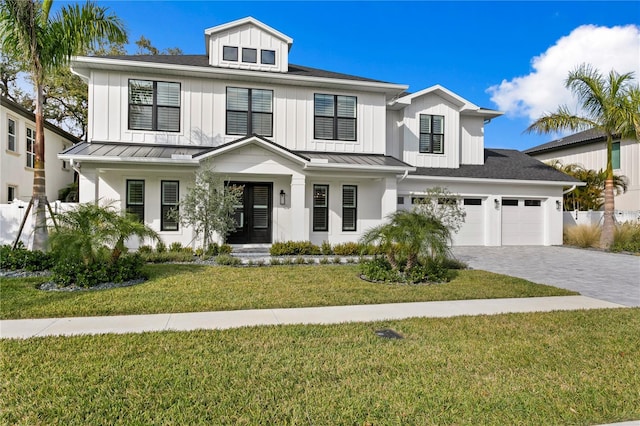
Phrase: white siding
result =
(203, 114)
(594, 156)
(13, 164)
(434, 105)
(471, 140)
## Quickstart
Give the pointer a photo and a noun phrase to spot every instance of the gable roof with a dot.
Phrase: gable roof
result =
(243, 21)
(580, 138)
(24, 112)
(501, 164)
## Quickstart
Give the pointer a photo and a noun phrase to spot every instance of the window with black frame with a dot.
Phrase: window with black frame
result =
(335, 117)
(431, 134)
(349, 207)
(154, 105)
(170, 196)
(135, 198)
(249, 111)
(320, 207)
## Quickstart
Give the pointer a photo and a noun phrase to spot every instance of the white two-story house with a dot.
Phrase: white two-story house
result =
(322, 156)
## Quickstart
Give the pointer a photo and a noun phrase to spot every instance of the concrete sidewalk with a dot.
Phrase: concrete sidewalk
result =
(322, 315)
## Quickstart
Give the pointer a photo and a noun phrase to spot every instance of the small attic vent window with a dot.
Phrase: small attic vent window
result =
(268, 57)
(230, 53)
(249, 55)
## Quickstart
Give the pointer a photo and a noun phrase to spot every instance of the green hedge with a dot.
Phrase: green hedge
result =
(23, 259)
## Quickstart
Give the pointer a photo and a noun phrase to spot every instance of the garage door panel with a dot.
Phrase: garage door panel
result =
(471, 232)
(522, 224)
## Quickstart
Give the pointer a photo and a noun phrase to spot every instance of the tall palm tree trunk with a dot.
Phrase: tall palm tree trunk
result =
(608, 224)
(39, 189)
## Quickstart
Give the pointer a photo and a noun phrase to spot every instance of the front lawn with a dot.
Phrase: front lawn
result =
(196, 288)
(560, 368)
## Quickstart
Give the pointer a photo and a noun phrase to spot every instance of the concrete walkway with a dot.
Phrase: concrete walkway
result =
(323, 315)
(608, 276)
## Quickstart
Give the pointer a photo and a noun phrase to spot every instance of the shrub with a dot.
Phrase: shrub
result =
(145, 249)
(430, 270)
(175, 246)
(294, 248)
(347, 249)
(627, 238)
(227, 259)
(450, 263)
(74, 271)
(225, 249)
(21, 258)
(582, 236)
(161, 247)
(324, 261)
(168, 256)
(326, 248)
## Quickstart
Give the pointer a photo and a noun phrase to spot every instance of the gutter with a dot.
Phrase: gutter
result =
(569, 190)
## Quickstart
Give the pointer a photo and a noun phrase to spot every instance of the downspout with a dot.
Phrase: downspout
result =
(75, 165)
(404, 176)
(569, 190)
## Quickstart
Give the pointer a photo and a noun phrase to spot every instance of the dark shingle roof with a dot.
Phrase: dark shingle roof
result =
(203, 61)
(501, 164)
(581, 138)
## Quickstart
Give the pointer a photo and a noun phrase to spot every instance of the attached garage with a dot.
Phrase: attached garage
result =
(522, 222)
(472, 231)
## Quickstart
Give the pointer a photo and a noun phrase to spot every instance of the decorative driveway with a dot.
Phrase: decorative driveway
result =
(607, 276)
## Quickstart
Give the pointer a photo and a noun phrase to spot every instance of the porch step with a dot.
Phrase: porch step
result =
(250, 250)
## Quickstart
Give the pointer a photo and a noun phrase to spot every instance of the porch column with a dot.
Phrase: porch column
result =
(88, 186)
(389, 199)
(299, 222)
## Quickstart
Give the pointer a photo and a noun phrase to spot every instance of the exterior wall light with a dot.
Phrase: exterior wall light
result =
(496, 203)
(558, 205)
(283, 197)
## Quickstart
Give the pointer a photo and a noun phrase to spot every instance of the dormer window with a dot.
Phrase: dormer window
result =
(230, 53)
(249, 55)
(268, 57)
(431, 134)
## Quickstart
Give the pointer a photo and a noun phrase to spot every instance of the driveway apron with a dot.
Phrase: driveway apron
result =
(607, 276)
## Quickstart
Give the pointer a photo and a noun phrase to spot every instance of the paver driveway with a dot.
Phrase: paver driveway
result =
(606, 276)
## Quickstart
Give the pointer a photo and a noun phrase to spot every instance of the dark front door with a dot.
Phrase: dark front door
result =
(253, 215)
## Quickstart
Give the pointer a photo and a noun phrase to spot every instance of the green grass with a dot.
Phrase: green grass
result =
(560, 368)
(194, 288)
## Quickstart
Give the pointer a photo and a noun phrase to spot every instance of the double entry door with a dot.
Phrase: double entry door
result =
(253, 214)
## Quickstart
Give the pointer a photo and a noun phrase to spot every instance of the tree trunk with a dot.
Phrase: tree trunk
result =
(608, 224)
(40, 234)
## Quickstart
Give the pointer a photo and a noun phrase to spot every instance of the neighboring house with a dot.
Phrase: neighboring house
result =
(589, 149)
(323, 156)
(17, 153)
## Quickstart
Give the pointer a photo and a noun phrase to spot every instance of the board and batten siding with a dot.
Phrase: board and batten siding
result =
(594, 156)
(471, 140)
(433, 105)
(203, 114)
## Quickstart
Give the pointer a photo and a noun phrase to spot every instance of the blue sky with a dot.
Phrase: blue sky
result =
(465, 46)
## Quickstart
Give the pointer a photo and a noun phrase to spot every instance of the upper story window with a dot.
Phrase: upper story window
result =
(335, 117)
(249, 111)
(230, 53)
(268, 57)
(431, 134)
(11, 134)
(31, 147)
(249, 55)
(615, 155)
(154, 105)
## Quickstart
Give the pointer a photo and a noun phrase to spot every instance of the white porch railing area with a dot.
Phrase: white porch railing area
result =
(11, 216)
(595, 217)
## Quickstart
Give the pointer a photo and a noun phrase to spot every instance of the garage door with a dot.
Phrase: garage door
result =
(522, 222)
(472, 231)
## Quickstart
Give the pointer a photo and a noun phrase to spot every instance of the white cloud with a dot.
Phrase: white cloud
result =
(543, 89)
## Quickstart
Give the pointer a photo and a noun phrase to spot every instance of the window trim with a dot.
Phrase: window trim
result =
(236, 53)
(154, 106)
(335, 118)
(431, 133)
(128, 204)
(249, 112)
(315, 226)
(14, 135)
(262, 61)
(353, 208)
(30, 154)
(250, 50)
(163, 226)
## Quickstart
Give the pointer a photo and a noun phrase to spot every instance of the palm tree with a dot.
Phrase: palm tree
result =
(611, 105)
(409, 235)
(42, 43)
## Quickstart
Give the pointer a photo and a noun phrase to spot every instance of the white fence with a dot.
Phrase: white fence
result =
(590, 217)
(11, 216)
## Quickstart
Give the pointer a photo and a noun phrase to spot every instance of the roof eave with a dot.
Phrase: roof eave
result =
(129, 160)
(497, 181)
